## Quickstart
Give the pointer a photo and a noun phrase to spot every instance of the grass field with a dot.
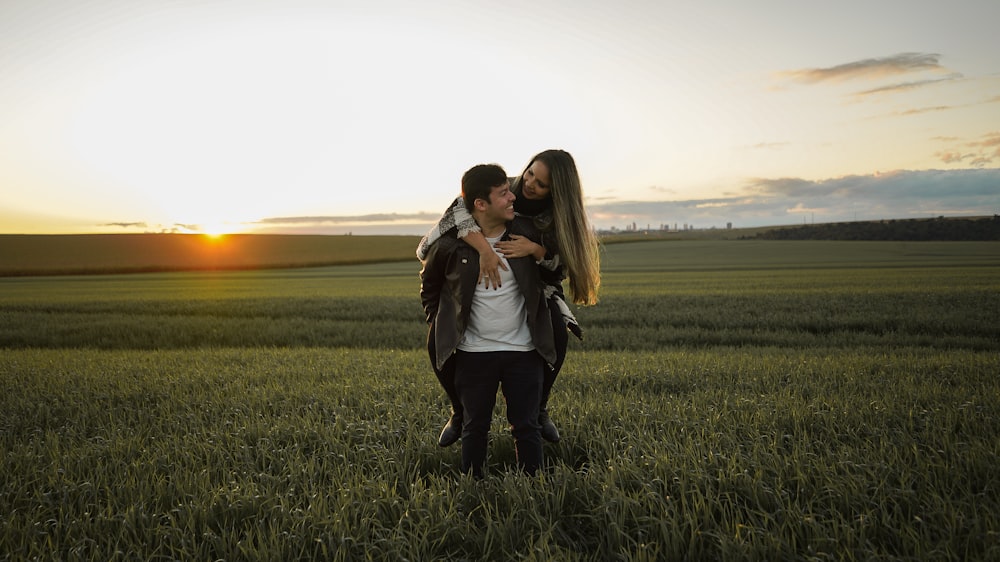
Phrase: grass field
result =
(22, 255)
(732, 400)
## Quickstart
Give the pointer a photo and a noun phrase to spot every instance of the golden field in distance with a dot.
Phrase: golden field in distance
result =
(125, 253)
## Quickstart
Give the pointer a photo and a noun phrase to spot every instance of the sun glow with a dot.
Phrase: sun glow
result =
(217, 230)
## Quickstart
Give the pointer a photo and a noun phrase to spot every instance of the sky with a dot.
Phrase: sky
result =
(334, 117)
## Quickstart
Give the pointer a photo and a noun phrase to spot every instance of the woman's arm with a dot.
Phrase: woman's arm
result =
(519, 247)
(468, 230)
(457, 221)
(552, 274)
(489, 262)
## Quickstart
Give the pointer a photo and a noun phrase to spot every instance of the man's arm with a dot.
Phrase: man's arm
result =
(432, 279)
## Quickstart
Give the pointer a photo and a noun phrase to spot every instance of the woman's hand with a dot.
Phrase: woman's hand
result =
(489, 269)
(518, 247)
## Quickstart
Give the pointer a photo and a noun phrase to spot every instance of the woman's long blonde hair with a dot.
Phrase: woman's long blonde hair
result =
(578, 245)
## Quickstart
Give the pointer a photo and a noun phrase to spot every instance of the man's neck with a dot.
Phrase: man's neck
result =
(491, 229)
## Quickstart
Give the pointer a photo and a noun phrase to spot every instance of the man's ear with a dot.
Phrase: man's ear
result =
(480, 204)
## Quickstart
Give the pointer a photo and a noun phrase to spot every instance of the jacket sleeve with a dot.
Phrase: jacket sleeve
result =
(431, 281)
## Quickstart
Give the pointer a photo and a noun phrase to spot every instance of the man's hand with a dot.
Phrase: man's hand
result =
(489, 269)
(518, 247)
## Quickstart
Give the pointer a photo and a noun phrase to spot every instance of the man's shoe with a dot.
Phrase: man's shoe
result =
(451, 432)
(549, 431)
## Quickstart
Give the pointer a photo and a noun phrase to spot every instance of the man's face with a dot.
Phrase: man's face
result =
(501, 204)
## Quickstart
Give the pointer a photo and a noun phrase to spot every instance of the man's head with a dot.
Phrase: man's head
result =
(487, 195)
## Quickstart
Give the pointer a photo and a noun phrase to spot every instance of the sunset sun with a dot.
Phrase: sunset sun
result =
(217, 229)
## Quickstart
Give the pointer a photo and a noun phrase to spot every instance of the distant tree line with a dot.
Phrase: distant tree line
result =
(940, 228)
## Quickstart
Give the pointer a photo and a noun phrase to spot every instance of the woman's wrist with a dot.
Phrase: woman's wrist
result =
(539, 253)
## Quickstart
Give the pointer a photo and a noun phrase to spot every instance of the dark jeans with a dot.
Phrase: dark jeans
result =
(446, 376)
(561, 340)
(518, 374)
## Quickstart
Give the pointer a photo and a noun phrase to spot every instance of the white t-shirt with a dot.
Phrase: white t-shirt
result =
(498, 320)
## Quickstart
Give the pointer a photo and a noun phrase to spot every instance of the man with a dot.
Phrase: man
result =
(489, 337)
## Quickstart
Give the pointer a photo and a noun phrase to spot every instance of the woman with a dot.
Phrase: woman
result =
(549, 191)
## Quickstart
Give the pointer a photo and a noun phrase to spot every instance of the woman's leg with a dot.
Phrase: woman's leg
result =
(561, 340)
(446, 377)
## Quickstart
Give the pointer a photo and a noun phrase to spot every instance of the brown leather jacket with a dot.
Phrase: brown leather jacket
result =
(448, 281)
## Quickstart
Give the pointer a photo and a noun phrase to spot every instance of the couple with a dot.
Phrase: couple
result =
(491, 287)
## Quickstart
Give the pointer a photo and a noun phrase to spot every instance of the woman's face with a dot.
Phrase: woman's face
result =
(536, 183)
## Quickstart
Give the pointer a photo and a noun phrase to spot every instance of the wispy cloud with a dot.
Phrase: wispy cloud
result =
(662, 190)
(989, 140)
(145, 227)
(905, 86)
(350, 219)
(126, 225)
(920, 110)
(953, 157)
(882, 186)
(381, 223)
(873, 68)
(978, 153)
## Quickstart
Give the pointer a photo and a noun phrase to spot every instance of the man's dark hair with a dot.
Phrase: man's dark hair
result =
(479, 181)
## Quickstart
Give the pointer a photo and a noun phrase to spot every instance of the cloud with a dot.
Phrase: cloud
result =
(372, 224)
(904, 86)
(899, 184)
(145, 227)
(978, 153)
(952, 157)
(989, 140)
(351, 220)
(924, 110)
(776, 201)
(902, 63)
(661, 190)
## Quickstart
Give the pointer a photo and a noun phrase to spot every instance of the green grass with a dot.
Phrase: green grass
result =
(730, 402)
(299, 453)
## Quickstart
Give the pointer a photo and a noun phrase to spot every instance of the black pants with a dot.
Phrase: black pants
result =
(561, 339)
(518, 374)
(446, 375)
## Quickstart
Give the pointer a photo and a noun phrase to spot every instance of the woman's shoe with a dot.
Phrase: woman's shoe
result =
(451, 432)
(549, 431)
